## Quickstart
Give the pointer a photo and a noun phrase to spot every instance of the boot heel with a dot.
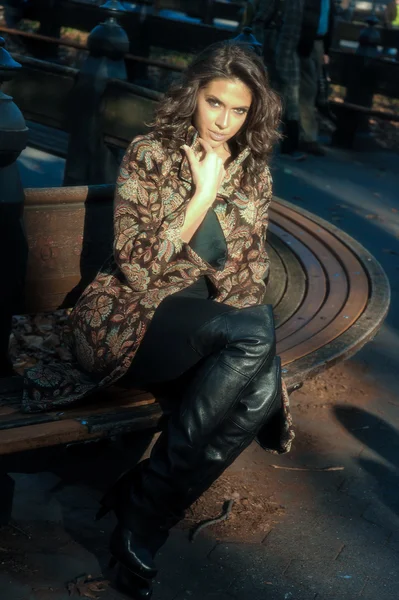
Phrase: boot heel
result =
(132, 585)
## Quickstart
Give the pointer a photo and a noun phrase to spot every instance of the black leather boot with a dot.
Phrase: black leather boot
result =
(233, 391)
(132, 550)
(134, 554)
(259, 404)
(229, 397)
(130, 584)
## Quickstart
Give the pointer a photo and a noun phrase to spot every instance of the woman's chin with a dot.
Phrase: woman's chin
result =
(214, 143)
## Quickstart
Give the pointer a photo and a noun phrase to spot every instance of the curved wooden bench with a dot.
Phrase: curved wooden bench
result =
(330, 296)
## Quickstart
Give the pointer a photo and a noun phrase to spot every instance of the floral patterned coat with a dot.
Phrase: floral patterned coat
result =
(150, 262)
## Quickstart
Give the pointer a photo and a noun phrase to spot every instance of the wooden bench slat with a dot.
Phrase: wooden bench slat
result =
(334, 300)
(316, 286)
(276, 286)
(323, 333)
(70, 430)
(367, 325)
(117, 408)
(295, 282)
(14, 418)
(112, 400)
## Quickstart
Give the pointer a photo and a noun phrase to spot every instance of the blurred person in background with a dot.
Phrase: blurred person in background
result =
(317, 26)
(277, 24)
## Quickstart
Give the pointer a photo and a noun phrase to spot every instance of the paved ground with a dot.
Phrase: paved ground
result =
(336, 533)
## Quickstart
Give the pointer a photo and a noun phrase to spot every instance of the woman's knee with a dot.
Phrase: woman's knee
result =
(248, 332)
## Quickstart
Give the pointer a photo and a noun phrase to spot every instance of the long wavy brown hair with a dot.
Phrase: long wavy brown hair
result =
(224, 60)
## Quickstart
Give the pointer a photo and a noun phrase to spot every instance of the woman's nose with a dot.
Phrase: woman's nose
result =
(223, 119)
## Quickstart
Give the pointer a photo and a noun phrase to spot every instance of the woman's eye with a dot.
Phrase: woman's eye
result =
(213, 102)
(241, 111)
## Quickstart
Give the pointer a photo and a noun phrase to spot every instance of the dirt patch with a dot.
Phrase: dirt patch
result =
(13, 550)
(257, 488)
(17, 541)
(343, 383)
(253, 514)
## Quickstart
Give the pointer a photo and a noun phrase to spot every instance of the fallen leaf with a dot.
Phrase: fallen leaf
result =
(394, 210)
(371, 216)
(86, 587)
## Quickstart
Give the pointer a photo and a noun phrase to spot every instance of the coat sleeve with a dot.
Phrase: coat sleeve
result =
(148, 245)
(249, 281)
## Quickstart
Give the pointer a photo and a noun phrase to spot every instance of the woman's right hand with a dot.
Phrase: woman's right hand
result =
(207, 173)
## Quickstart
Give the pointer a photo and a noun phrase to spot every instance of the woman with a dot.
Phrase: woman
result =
(178, 310)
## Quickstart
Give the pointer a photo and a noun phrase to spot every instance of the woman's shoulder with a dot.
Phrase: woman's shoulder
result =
(148, 153)
(264, 181)
(144, 147)
(265, 175)
(146, 156)
(263, 189)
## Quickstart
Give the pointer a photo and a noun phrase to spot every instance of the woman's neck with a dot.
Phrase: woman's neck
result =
(225, 152)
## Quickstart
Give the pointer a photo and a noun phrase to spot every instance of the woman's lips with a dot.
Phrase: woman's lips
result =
(217, 137)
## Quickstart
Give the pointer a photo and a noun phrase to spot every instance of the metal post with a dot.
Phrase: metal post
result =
(13, 246)
(247, 38)
(369, 38)
(89, 160)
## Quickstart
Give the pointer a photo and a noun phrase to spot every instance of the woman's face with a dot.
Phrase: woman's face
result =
(222, 109)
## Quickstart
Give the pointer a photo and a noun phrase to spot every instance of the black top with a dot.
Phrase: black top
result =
(210, 244)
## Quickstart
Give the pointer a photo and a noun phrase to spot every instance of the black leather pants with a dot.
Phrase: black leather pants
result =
(226, 397)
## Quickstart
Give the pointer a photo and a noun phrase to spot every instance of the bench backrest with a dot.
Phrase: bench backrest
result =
(70, 233)
(124, 108)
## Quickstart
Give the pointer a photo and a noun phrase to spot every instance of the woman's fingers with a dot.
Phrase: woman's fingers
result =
(206, 145)
(208, 172)
(192, 159)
